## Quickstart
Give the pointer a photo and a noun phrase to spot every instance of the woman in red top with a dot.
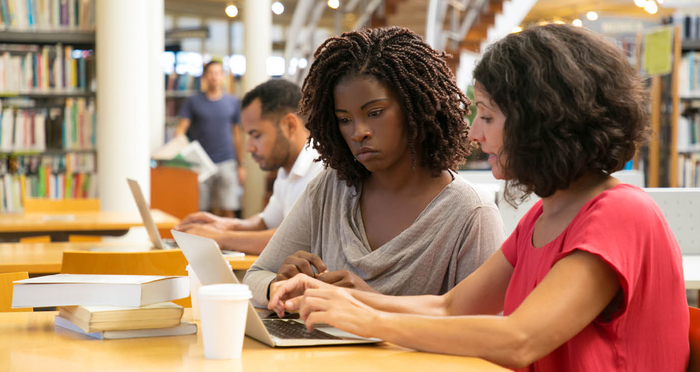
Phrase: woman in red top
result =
(592, 278)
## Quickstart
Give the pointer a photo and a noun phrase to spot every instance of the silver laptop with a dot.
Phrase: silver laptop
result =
(147, 218)
(205, 258)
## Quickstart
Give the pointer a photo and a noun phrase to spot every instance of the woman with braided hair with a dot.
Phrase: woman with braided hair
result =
(388, 214)
(591, 279)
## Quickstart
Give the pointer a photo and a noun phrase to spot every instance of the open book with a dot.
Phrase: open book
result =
(191, 152)
(99, 290)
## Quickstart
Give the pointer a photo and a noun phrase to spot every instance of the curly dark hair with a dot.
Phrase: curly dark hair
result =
(434, 107)
(278, 97)
(573, 105)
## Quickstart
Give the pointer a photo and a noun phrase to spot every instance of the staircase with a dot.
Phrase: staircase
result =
(467, 25)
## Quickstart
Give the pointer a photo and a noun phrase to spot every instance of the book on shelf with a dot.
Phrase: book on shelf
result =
(98, 290)
(184, 328)
(688, 132)
(47, 14)
(34, 69)
(27, 128)
(689, 24)
(114, 318)
(175, 82)
(689, 169)
(689, 75)
(64, 176)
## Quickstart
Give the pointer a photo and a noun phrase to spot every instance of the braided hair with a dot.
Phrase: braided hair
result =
(434, 107)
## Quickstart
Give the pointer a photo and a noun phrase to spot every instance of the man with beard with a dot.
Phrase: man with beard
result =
(277, 139)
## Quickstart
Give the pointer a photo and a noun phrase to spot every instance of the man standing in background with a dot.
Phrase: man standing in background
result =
(210, 117)
(277, 138)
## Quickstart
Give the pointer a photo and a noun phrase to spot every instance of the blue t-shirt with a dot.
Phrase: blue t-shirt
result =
(210, 124)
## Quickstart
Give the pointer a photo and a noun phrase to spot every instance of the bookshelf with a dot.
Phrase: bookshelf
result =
(177, 89)
(82, 38)
(682, 134)
(47, 101)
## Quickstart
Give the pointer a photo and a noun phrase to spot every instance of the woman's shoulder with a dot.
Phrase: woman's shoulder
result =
(469, 195)
(327, 181)
(624, 200)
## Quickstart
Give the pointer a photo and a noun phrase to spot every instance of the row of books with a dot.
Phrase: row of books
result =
(69, 176)
(689, 170)
(689, 74)
(47, 14)
(172, 110)
(26, 68)
(110, 306)
(689, 24)
(53, 186)
(72, 127)
(186, 82)
(689, 132)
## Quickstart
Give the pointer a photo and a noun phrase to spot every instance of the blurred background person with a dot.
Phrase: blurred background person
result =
(211, 117)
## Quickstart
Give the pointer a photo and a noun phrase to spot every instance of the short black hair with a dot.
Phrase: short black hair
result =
(209, 64)
(277, 97)
(573, 105)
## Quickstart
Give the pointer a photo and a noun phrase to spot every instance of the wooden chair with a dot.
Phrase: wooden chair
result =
(174, 191)
(6, 280)
(64, 206)
(170, 262)
(694, 339)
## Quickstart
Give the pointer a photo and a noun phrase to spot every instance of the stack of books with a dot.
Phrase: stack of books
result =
(110, 306)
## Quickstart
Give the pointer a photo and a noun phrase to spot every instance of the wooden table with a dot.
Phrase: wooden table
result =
(29, 342)
(60, 226)
(45, 258)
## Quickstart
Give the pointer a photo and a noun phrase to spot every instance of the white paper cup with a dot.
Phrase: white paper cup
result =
(223, 308)
(195, 284)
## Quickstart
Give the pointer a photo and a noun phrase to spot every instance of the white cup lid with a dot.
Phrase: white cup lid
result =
(225, 292)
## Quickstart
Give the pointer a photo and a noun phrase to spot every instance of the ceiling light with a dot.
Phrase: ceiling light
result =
(231, 11)
(516, 29)
(277, 8)
(640, 3)
(334, 4)
(592, 16)
(651, 7)
(577, 23)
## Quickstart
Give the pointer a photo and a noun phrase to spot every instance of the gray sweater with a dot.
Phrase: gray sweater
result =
(450, 239)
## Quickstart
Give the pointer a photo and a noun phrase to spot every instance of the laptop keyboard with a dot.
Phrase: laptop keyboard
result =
(290, 329)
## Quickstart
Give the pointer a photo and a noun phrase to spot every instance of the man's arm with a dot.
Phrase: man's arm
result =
(182, 127)
(255, 223)
(238, 142)
(248, 242)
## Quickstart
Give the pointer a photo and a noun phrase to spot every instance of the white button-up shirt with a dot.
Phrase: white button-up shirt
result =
(288, 187)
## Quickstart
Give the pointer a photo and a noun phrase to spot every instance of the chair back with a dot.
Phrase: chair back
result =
(62, 206)
(681, 207)
(6, 280)
(170, 262)
(694, 339)
(35, 205)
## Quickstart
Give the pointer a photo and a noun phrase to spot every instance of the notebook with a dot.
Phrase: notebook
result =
(100, 290)
(211, 268)
(185, 328)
